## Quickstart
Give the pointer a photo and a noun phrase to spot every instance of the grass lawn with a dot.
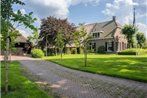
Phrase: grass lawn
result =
(131, 67)
(20, 86)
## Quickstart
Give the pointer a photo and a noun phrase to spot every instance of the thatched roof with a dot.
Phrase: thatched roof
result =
(21, 39)
(107, 28)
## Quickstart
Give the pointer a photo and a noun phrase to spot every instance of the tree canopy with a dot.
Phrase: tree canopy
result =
(79, 35)
(11, 20)
(129, 31)
(34, 38)
(59, 42)
(49, 28)
(140, 38)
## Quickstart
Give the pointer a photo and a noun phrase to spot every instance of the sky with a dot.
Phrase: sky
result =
(86, 11)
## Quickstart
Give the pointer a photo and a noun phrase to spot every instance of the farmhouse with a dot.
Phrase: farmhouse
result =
(22, 45)
(107, 35)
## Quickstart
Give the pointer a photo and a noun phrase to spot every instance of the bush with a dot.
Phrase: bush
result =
(133, 51)
(37, 53)
(90, 51)
(101, 49)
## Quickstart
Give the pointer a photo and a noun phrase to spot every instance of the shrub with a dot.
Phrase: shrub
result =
(37, 53)
(90, 51)
(101, 49)
(132, 51)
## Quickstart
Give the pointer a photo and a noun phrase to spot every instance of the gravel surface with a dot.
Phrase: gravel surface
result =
(70, 83)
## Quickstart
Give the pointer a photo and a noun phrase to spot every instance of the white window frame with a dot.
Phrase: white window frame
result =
(98, 34)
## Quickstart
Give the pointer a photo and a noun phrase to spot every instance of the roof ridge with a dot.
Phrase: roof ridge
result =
(97, 23)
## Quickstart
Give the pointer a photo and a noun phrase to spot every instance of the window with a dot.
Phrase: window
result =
(96, 35)
(110, 46)
(92, 46)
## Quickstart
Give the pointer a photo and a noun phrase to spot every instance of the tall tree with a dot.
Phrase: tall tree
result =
(10, 21)
(140, 39)
(129, 31)
(50, 28)
(59, 42)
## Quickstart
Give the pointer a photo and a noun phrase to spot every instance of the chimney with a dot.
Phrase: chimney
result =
(114, 18)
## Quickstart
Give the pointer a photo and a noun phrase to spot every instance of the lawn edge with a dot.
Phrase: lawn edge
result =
(112, 75)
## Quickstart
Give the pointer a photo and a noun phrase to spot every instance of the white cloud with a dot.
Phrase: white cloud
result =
(57, 8)
(123, 10)
(142, 28)
(120, 8)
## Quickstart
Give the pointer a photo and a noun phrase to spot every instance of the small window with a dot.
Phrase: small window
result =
(96, 35)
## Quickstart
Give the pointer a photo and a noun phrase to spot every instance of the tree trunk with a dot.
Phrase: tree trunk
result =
(61, 52)
(132, 45)
(56, 51)
(6, 56)
(85, 56)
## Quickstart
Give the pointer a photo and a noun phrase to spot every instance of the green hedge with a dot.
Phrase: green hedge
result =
(133, 51)
(37, 53)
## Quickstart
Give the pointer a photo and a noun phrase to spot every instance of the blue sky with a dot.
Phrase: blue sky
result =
(87, 11)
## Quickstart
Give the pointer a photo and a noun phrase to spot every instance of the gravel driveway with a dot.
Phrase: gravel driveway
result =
(76, 84)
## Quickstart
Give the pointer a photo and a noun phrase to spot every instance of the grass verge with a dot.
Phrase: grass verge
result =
(19, 85)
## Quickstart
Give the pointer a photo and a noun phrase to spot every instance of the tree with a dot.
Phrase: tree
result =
(10, 21)
(79, 35)
(129, 31)
(82, 38)
(140, 39)
(85, 43)
(50, 28)
(144, 45)
(60, 42)
(34, 38)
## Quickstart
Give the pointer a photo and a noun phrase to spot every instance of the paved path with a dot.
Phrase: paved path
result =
(75, 84)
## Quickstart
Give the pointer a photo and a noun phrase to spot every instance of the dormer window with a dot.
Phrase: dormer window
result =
(96, 35)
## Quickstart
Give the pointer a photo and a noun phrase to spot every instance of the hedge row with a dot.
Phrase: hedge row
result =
(133, 51)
